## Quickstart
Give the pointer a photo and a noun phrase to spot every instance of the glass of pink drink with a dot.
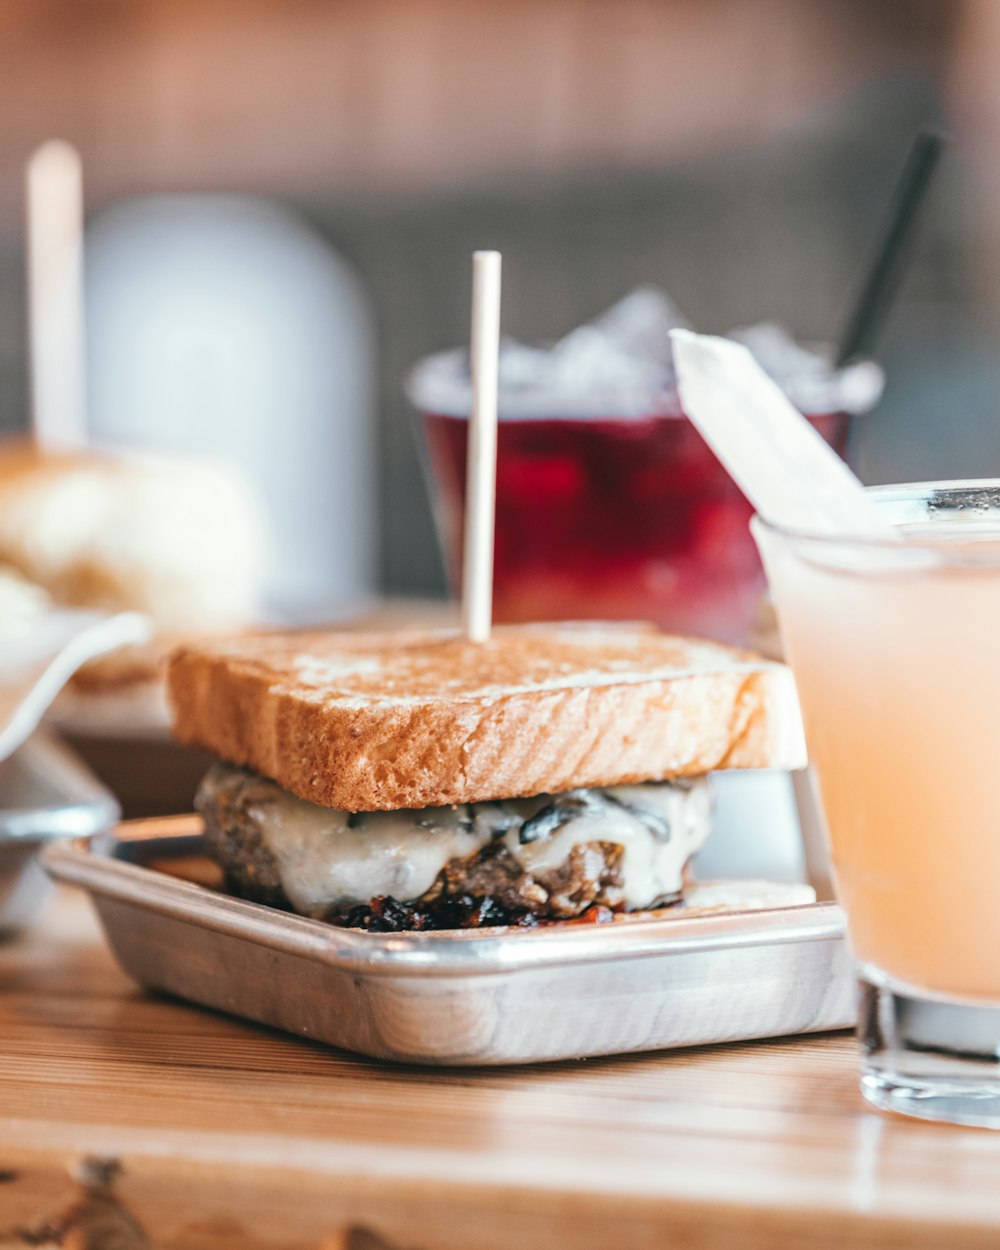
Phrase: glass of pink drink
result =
(896, 654)
(617, 517)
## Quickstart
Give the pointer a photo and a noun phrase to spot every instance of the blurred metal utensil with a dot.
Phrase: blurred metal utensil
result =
(36, 663)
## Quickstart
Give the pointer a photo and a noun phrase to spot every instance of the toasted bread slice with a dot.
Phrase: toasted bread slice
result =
(399, 720)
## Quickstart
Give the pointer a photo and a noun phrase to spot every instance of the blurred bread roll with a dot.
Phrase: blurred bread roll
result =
(182, 540)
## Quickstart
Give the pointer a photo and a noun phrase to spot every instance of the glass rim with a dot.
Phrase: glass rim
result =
(901, 491)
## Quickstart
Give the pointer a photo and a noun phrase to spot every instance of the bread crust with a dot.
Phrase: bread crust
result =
(382, 722)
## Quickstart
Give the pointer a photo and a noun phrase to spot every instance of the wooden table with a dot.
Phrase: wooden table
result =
(234, 1136)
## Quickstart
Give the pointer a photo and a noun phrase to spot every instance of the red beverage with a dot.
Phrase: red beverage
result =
(617, 517)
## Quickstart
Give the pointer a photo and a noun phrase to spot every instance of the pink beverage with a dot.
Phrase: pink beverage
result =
(896, 654)
(619, 517)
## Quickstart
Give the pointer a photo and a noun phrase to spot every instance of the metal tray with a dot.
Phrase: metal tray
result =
(45, 793)
(489, 997)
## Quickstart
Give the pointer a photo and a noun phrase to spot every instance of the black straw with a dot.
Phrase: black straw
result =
(886, 269)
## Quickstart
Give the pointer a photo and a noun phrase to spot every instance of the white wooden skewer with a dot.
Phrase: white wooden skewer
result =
(480, 474)
(54, 195)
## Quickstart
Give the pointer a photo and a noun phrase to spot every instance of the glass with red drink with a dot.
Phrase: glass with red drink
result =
(605, 509)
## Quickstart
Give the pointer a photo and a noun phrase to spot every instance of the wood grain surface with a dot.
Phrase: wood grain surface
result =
(229, 1135)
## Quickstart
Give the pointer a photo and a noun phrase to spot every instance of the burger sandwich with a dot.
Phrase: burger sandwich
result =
(416, 780)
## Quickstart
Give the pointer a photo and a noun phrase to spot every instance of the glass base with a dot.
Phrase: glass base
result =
(926, 1057)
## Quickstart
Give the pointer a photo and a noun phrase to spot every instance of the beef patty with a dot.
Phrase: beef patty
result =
(499, 862)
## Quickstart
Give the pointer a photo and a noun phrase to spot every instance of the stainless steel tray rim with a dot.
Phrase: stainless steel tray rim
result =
(462, 999)
(77, 804)
(49, 824)
(87, 863)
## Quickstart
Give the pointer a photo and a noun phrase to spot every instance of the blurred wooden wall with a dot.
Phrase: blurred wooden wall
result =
(600, 143)
(295, 95)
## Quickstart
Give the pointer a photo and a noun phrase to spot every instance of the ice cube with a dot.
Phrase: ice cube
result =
(588, 362)
(777, 352)
(640, 324)
(619, 365)
(805, 372)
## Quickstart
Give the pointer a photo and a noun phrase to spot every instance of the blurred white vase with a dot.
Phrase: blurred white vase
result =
(225, 326)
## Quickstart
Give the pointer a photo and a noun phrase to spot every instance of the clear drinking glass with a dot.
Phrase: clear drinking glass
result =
(896, 653)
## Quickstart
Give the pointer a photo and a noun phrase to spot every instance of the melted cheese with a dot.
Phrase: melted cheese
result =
(323, 861)
(327, 857)
(652, 867)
